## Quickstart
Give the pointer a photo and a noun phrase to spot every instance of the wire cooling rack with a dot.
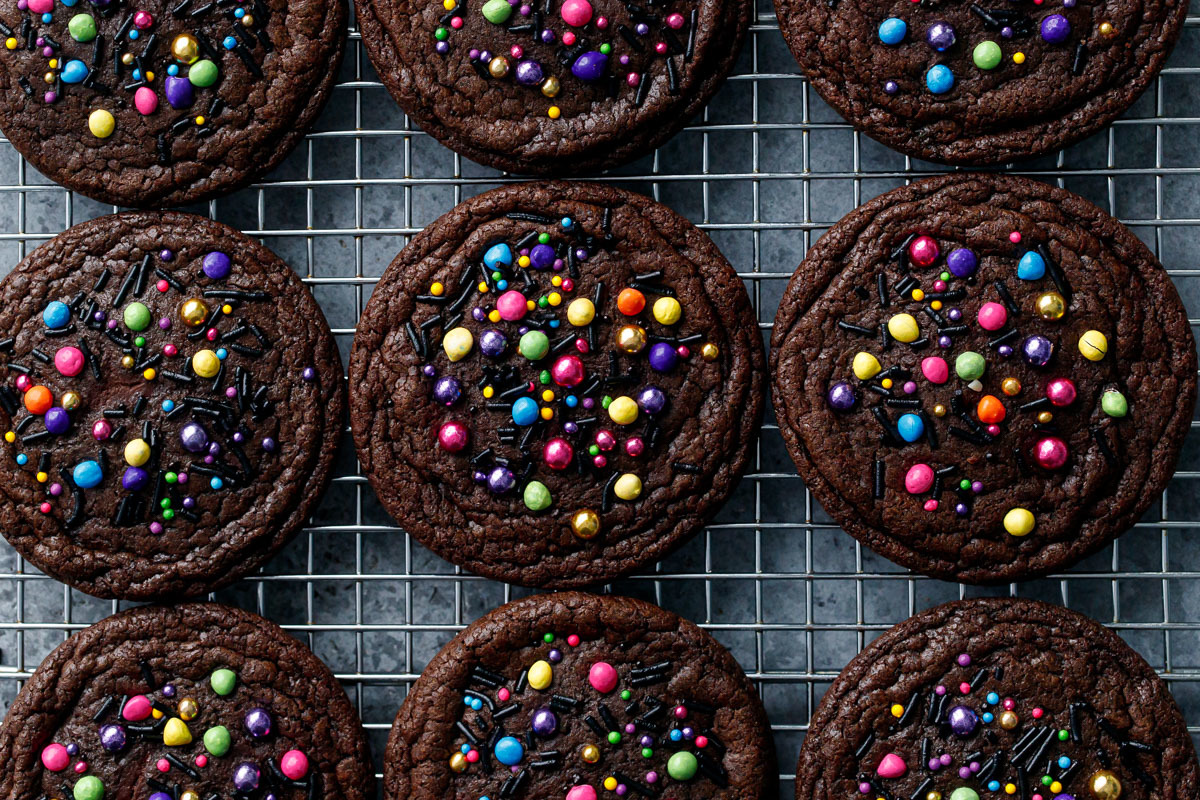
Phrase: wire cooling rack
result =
(764, 170)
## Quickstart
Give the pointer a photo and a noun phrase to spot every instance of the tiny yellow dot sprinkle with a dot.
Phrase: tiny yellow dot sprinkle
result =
(200, 119)
(488, 392)
(227, 309)
(1056, 787)
(156, 714)
(610, 783)
(54, 63)
(547, 396)
(554, 299)
(897, 710)
(1018, 58)
(886, 383)
(1010, 788)
(149, 374)
(437, 289)
(42, 477)
(556, 280)
(10, 43)
(10, 437)
(918, 295)
(530, 305)
(1045, 417)
(523, 261)
(547, 414)
(936, 305)
(554, 112)
(493, 315)
(482, 287)
(449, 4)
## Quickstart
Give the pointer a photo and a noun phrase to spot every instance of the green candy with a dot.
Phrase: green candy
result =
(216, 740)
(534, 345)
(137, 317)
(969, 365)
(987, 55)
(682, 766)
(1114, 404)
(497, 11)
(537, 496)
(202, 73)
(89, 787)
(82, 27)
(964, 793)
(223, 681)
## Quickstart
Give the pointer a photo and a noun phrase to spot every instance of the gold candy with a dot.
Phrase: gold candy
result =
(188, 709)
(1010, 386)
(1008, 720)
(631, 338)
(590, 753)
(939, 410)
(551, 87)
(127, 362)
(498, 67)
(185, 48)
(1105, 785)
(1051, 306)
(71, 400)
(193, 312)
(585, 523)
(458, 762)
(710, 351)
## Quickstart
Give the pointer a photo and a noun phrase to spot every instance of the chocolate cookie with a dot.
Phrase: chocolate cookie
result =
(195, 701)
(974, 83)
(164, 102)
(983, 378)
(581, 696)
(172, 399)
(556, 383)
(996, 698)
(554, 86)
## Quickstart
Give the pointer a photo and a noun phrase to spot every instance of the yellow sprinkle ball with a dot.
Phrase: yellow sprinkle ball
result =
(494, 315)
(1056, 787)
(1018, 522)
(886, 383)
(667, 310)
(200, 119)
(628, 487)
(555, 299)
(150, 77)
(10, 43)
(581, 311)
(523, 261)
(1010, 788)
(547, 414)
(1018, 58)
(10, 437)
(156, 714)
(554, 113)
(556, 280)
(437, 289)
(710, 351)
(865, 366)
(227, 309)
(918, 295)
(547, 396)
(897, 710)
(482, 287)
(936, 305)
(530, 305)
(149, 374)
(1106, 28)
(610, 783)
(42, 477)
(488, 392)
(449, 4)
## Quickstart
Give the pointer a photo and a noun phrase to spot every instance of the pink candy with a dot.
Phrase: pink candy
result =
(1051, 452)
(1061, 392)
(919, 479)
(558, 453)
(453, 436)
(935, 369)
(511, 305)
(892, 766)
(576, 13)
(137, 708)
(146, 102)
(568, 371)
(603, 677)
(55, 757)
(581, 792)
(69, 361)
(41, 6)
(294, 764)
(923, 251)
(992, 316)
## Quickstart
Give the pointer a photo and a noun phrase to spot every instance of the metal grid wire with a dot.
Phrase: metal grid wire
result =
(764, 170)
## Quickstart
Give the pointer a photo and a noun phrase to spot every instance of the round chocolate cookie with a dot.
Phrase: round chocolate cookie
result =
(194, 701)
(980, 83)
(555, 86)
(983, 378)
(997, 698)
(581, 696)
(164, 102)
(171, 399)
(556, 383)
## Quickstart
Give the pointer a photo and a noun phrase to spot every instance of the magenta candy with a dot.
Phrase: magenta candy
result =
(634, 446)
(581, 792)
(576, 12)
(892, 766)
(294, 764)
(568, 371)
(1051, 452)
(923, 251)
(935, 369)
(1061, 391)
(142, 20)
(603, 677)
(137, 708)
(511, 305)
(453, 436)
(558, 453)
(992, 316)
(55, 757)
(919, 479)
(41, 6)
(69, 361)
(145, 100)
(101, 430)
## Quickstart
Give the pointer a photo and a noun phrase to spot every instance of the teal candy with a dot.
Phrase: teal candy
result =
(1031, 267)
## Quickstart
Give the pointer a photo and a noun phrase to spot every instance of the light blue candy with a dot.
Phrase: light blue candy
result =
(892, 30)
(525, 411)
(87, 474)
(73, 71)
(56, 314)
(1064, 762)
(993, 698)
(911, 427)
(498, 254)
(939, 79)
(508, 751)
(1031, 267)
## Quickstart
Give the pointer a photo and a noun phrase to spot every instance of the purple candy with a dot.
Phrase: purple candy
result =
(501, 480)
(258, 722)
(940, 36)
(1037, 350)
(1055, 29)
(541, 256)
(962, 262)
(529, 72)
(492, 343)
(134, 478)
(179, 91)
(193, 437)
(544, 722)
(112, 738)
(246, 776)
(447, 390)
(268, 444)
(651, 400)
(156, 795)
(842, 396)
(590, 66)
(663, 357)
(216, 265)
(56, 420)
(963, 720)
(309, 374)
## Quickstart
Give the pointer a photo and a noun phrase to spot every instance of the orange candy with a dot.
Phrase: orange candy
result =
(38, 400)
(990, 410)
(630, 302)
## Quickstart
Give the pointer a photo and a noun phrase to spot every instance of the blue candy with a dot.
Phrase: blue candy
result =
(1031, 267)
(87, 474)
(939, 79)
(73, 71)
(508, 751)
(498, 254)
(524, 411)
(56, 314)
(911, 427)
(892, 30)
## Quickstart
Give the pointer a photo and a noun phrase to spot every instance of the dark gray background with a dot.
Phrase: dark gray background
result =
(765, 171)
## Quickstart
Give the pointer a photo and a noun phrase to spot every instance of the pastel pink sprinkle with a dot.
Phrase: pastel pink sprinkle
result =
(992, 316)
(892, 766)
(931, 505)
(581, 792)
(576, 13)
(964, 687)
(919, 478)
(55, 757)
(511, 305)
(1014, 237)
(162, 765)
(137, 708)
(702, 742)
(603, 677)
(935, 369)
(69, 361)
(503, 695)
(294, 764)
(146, 101)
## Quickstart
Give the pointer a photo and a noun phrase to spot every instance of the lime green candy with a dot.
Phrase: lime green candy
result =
(964, 793)
(89, 787)
(497, 11)
(969, 365)
(137, 316)
(223, 681)
(1114, 404)
(682, 766)
(537, 496)
(202, 73)
(987, 55)
(82, 27)
(534, 345)
(216, 740)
